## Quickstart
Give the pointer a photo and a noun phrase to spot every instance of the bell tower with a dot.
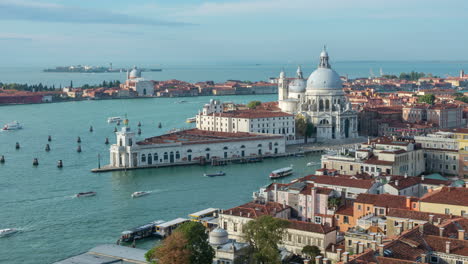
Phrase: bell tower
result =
(282, 87)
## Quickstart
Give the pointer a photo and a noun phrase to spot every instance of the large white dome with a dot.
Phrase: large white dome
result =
(324, 79)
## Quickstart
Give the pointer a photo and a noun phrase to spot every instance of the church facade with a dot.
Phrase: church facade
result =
(321, 100)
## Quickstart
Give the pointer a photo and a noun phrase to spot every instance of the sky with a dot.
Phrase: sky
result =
(179, 32)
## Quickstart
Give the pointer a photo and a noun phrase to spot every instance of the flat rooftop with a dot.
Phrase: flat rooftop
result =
(197, 136)
(108, 253)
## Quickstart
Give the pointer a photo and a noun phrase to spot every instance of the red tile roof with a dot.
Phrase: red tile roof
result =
(447, 195)
(254, 210)
(383, 200)
(338, 181)
(310, 227)
(457, 247)
(415, 215)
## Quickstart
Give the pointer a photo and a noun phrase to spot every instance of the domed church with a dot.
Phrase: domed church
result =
(321, 99)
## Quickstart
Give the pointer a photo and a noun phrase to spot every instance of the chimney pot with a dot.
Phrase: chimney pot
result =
(461, 234)
(381, 250)
(441, 231)
(346, 257)
(318, 260)
(431, 219)
(447, 247)
(423, 258)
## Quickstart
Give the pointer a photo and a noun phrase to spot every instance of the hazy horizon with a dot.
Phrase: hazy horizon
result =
(56, 32)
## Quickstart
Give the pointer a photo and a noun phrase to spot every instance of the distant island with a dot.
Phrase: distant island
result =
(93, 69)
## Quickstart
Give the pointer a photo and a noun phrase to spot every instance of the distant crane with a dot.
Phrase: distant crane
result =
(371, 73)
(381, 72)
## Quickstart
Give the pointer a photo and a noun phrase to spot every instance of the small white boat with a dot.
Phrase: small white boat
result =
(310, 164)
(7, 231)
(219, 173)
(15, 125)
(191, 120)
(279, 173)
(138, 194)
(114, 119)
(85, 194)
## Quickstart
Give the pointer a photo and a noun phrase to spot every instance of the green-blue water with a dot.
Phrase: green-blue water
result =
(39, 200)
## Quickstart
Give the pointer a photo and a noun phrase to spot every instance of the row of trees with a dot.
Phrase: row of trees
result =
(428, 99)
(188, 244)
(41, 88)
(410, 76)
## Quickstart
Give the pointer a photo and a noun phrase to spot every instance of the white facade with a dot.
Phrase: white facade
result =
(441, 152)
(138, 84)
(128, 153)
(321, 100)
(214, 118)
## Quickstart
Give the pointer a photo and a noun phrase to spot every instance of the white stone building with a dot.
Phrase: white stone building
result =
(213, 117)
(321, 100)
(191, 146)
(138, 84)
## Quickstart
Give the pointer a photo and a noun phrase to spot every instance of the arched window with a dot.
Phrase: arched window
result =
(143, 158)
(259, 145)
(155, 157)
(207, 149)
(225, 148)
(327, 105)
(270, 146)
(242, 146)
(130, 142)
(120, 142)
(150, 159)
(165, 156)
(189, 150)
(321, 105)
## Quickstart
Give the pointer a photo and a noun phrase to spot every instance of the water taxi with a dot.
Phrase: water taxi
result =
(191, 120)
(85, 194)
(312, 163)
(279, 173)
(15, 125)
(140, 232)
(114, 119)
(165, 229)
(139, 194)
(219, 173)
(7, 231)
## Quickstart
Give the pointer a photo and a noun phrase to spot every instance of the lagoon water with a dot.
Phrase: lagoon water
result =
(39, 200)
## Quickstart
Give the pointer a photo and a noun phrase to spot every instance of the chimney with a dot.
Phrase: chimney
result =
(423, 258)
(374, 245)
(422, 177)
(318, 260)
(439, 221)
(410, 224)
(461, 234)
(333, 247)
(396, 182)
(381, 250)
(447, 247)
(441, 231)
(406, 175)
(346, 257)
(306, 261)
(431, 219)
(230, 212)
(408, 202)
(338, 254)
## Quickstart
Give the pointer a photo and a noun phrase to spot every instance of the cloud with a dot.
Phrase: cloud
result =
(45, 12)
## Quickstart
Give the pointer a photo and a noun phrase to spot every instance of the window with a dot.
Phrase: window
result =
(143, 158)
(459, 262)
(434, 259)
(289, 237)
(346, 219)
(235, 227)
(368, 208)
(359, 207)
(318, 220)
(225, 225)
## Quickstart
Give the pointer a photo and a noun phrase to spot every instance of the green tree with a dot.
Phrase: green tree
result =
(304, 127)
(197, 242)
(428, 99)
(263, 235)
(311, 251)
(253, 104)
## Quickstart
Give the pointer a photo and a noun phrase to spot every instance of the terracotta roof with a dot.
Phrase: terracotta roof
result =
(346, 210)
(415, 215)
(310, 227)
(197, 136)
(375, 161)
(339, 181)
(448, 195)
(457, 247)
(383, 200)
(254, 210)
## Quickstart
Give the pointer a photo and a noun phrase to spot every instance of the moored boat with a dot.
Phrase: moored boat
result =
(114, 119)
(140, 232)
(15, 125)
(191, 120)
(7, 231)
(279, 173)
(219, 173)
(139, 194)
(85, 194)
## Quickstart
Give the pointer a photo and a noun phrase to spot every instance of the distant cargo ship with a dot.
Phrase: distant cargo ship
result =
(92, 69)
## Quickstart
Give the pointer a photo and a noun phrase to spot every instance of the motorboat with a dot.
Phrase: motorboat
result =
(85, 194)
(299, 155)
(15, 125)
(283, 172)
(191, 120)
(114, 119)
(182, 101)
(139, 194)
(219, 173)
(312, 163)
(7, 231)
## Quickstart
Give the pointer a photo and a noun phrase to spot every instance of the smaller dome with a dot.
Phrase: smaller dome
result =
(218, 236)
(135, 73)
(297, 86)
(324, 53)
